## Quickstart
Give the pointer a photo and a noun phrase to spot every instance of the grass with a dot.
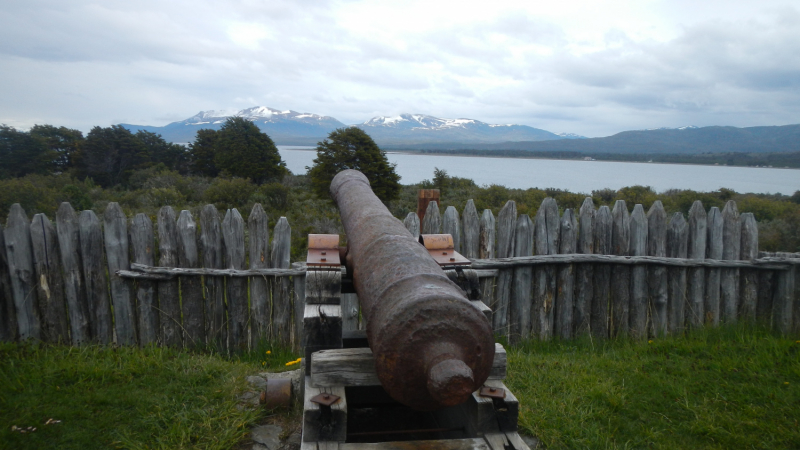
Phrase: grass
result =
(108, 397)
(713, 388)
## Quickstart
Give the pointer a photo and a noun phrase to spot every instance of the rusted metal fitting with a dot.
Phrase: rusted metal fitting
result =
(323, 251)
(278, 393)
(442, 249)
(432, 347)
(492, 392)
(324, 399)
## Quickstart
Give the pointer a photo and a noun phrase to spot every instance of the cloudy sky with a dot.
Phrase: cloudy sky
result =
(589, 67)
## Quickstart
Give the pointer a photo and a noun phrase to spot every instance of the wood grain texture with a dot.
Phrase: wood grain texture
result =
(506, 225)
(545, 235)
(69, 245)
(729, 278)
(191, 287)
(620, 275)
(50, 286)
(749, 278)
(432, 222)
(584, 273)
(299, 304)
(520, 303)
(782, 305)
(143, 248)
(115, 236)
(282, 305)
(169, 291)
(8, 313)
(486, 247)
(677, 247)
(213, 258)
(638, 289)
(470, 231)
(260, 287)
(657, 279)
(19, 254)
(602, 274)
(349, 312)
(451, 224)
(233, 236)
(411, 223)
(94, 274)
(565, 295)
(696, 287)
(713, 251)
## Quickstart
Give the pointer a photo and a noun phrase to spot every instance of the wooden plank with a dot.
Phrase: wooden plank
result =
(749, 277)
(565, 295)
(282, 325)
(470, 231)
(764, 297)
(19, 254)
(729, 278)
(782, 304)
(602, 274)
(638, 247)
(322, 330)
(538, 260)
(486, 247)
(324, 286)
(50, 286)
(713, 251)
(657, 279)
(191, 287)
(324, 423)
(143, 248)
(349, 312)
(8, 313)
(168, 291)
(451, 224)
(506, 225)
(233, 236)
(490, 415)
(520, 302)
(677, 247)
(115, 236)
(584, 272)
(411, 223)
(447, 444)
(69, 248)
(696, 288)
(356, 366)
(298, 299)
(94, 275)
(545, 279)
(432, 222)
(620, 275)
(213, 258)
(260, 287)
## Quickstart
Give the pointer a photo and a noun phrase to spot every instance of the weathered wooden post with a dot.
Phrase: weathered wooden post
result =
(620, 274)
(451, 224)
(729, 278)
(713, 251)
(19, 255)
(46, 262)
(115, 235)
(584, 272)
(638, 247)
(260, 304)
(602, 273)
(213, 258)
(8, 313)
(283, 329)
(471, 232)
(168, 291)
(544, 289)
(657, 274)
(432, 222)
(233, 236)
(70, 247)
(486, 248)
(506, 225)
(424, 197)
(782, 305)
(695, 296)
(94, 273)
(412, 224)
(143, 248)
(677, 247)
(191, 286)
(567, 244)
(749, 277)
(519, 317)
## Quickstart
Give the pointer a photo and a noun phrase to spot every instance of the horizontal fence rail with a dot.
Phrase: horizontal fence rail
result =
(220, 281)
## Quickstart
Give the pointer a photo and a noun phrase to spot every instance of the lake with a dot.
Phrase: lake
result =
(575, 176)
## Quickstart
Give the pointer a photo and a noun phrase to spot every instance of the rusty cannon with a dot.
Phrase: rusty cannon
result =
(433, 348)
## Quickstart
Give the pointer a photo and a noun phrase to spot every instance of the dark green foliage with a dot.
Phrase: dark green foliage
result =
(22, 154)
(202, 154)
(229, 193)
(62, 142)
(173, 156)
(110, 155)
(242, 150)
(352, 148)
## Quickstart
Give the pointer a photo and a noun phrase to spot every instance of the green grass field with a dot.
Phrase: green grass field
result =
(724, 388)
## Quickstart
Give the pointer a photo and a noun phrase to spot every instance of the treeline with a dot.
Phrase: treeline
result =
(791, 160)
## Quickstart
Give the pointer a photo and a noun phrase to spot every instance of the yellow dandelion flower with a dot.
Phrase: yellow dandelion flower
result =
(785, 382)
(290, 363)
(650, 341)
(263, 363)
(269, 352)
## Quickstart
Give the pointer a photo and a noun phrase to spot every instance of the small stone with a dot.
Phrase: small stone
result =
(258, 382)
(250, 398)
(267, 435)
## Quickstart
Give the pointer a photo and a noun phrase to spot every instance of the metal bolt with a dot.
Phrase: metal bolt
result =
(326, 396)
(323, 259)
(492, 390)
(452, 259)
(324, 253)
(444, 253)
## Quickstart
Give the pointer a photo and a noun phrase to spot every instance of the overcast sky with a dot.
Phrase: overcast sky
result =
(589, 67)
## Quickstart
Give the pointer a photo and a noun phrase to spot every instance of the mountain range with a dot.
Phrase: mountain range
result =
(419, 131)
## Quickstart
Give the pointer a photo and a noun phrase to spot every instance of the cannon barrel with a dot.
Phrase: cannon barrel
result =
(432, 346)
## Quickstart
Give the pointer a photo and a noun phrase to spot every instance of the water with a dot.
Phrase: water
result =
(575, 176)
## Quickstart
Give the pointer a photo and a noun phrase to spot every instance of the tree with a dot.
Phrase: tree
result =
(352, 148)
(173, 156)
(63, 143)
(22, 154)
(201, 153)
(110, 155)
(242, 150)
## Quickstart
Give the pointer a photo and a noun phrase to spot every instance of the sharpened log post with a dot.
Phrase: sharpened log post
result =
(506, 225)
(298, 304)
(143, 248)
(191, 286)
(749, 277)
(602, 274)
(782, 305)
(620, 275)
(713, 251)
(233, 236)
(94, 274)
(486, 248)
(168, 291)
(470, 232)
(545, 276)
(260, 287)
(520, 304)
(19, 254)
(8, 313)
(677, 247)
(567, 244)
(584, 272)
(432, 222)
(638, 247)
(282, 325)
(695, 295)
(451, 224)
(729, 278)
(115, 235)
(70, 249)
(47, 264)
(213, 258)
(657, 275)
(412, 224)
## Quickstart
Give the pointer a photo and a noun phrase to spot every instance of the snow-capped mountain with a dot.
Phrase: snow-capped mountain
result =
(571, 136)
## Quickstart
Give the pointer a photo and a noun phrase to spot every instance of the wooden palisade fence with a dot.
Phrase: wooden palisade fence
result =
(192, 282)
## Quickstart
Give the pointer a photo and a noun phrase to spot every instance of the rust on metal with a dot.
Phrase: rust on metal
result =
(492, 392)
(278, 393)
(442, 249)
(324, 399)
(323, 250)
(432, 347)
